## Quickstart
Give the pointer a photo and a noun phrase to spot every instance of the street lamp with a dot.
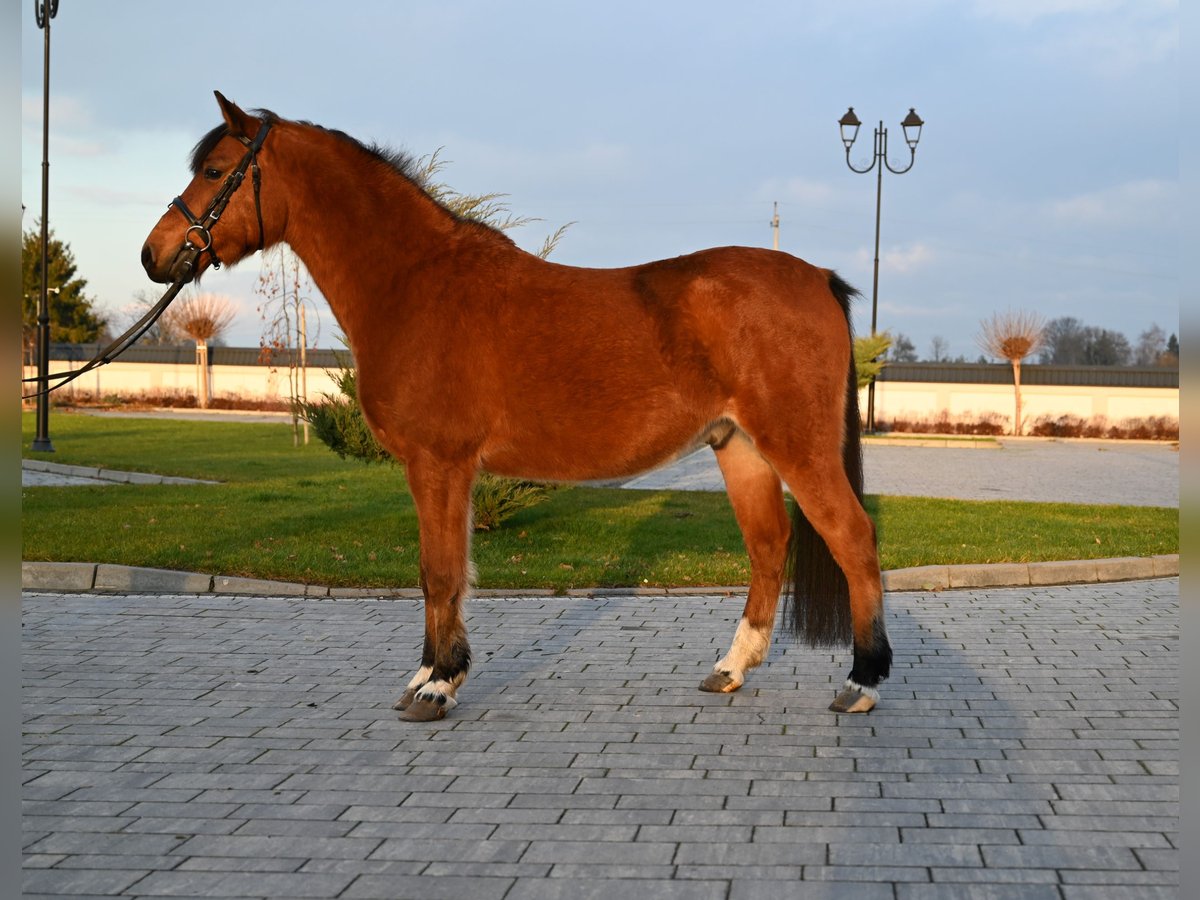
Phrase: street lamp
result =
(849, 125)
(44, 11)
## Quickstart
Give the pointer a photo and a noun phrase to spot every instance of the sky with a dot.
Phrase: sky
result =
(1046, 177)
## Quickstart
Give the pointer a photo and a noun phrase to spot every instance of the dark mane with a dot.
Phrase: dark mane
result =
(404, 164)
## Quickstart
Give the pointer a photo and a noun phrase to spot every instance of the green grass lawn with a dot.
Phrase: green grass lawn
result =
(302, 514)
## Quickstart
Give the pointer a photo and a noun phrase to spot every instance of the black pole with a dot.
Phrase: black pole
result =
(44, 12)
(879, 158)
(880, 152)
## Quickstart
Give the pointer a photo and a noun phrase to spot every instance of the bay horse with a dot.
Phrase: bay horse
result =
(473, 355)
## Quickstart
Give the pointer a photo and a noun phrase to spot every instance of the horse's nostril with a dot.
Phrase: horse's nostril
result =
(147, 256)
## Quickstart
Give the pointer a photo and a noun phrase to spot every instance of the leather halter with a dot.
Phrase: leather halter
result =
(199, 234)
(188, 257)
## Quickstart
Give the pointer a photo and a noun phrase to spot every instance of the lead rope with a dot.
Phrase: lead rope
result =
(121, 344)
(186, 264)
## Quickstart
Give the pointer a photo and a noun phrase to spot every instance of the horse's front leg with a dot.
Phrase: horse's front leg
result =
(442, 493)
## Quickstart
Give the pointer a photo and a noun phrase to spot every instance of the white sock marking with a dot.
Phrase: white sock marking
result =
(749, 649)
(852, 685)
(435, 689)
(421, 677)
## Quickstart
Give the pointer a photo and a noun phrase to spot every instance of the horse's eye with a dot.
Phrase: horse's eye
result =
(212, 174)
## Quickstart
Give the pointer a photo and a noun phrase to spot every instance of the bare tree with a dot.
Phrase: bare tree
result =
(203, 318)
(1151, 345)
(160, 333)
(1013, 336)
(939, 349)
(286, 289)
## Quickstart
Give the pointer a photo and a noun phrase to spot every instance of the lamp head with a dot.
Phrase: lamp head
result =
(849, 125)
(912, 128)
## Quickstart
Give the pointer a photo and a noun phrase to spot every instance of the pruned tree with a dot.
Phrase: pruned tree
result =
(1013, 335)
(203, 318)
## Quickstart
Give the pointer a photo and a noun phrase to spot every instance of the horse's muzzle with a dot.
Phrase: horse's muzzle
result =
(181, 268)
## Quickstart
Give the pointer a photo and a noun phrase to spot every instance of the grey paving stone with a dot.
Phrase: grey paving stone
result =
(176, 731)
(977, 892)
(775, 889)
(1061, 857)
(65, 882)
(439, 887)
(243, 884)
(615, 889)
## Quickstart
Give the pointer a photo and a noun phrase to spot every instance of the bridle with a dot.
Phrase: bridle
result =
(202, 227)
(197, 240)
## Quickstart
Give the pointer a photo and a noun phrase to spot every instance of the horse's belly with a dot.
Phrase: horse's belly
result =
(602, 448)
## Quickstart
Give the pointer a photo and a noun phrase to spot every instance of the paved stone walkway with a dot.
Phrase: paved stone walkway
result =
(220, 746)
(1129, 473)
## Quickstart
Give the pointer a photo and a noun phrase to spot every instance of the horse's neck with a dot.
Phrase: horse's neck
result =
(360, 231)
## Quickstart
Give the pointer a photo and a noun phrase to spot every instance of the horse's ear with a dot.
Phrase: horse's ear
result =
(240, 124)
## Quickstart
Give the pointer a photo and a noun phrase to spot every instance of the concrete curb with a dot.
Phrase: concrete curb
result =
(112, 475)
(77, 577)
(932, 440)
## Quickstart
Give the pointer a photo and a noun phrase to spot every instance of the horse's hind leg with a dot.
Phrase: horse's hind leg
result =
(835, 513)
(757, 498)
(442, 494)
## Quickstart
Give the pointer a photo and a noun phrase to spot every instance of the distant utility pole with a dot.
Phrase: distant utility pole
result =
(775, 228)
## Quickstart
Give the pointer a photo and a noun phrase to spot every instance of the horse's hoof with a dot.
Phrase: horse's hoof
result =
(719, 683)
(406, 699)
(854, 700)
(423, 711)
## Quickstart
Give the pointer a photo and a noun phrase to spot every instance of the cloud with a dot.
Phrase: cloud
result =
(1108, 38)
(1132, 203)
(801, 191)
(901, 260)
(65, 112)
(1026, 12)
(69, 120)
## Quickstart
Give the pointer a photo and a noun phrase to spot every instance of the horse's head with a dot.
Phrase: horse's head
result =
(217, 219)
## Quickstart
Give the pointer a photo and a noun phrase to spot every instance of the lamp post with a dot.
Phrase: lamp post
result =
(849, 125)
(44, 12)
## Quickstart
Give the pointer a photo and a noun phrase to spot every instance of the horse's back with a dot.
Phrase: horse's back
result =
(597, 372)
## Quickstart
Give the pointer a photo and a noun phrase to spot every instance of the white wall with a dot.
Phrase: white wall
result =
(926, 400)
(127, 379)
(893, 399)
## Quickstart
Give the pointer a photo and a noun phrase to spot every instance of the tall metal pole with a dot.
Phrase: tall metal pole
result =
(44, 12)
(849, 124)
(880, 151)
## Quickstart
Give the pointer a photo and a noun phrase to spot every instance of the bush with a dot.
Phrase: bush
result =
(339, 422)
(986, 424)
(496, 499)
(165, 398)
(1152, 428)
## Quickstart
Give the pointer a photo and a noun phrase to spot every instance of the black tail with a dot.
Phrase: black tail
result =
(819, 602)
